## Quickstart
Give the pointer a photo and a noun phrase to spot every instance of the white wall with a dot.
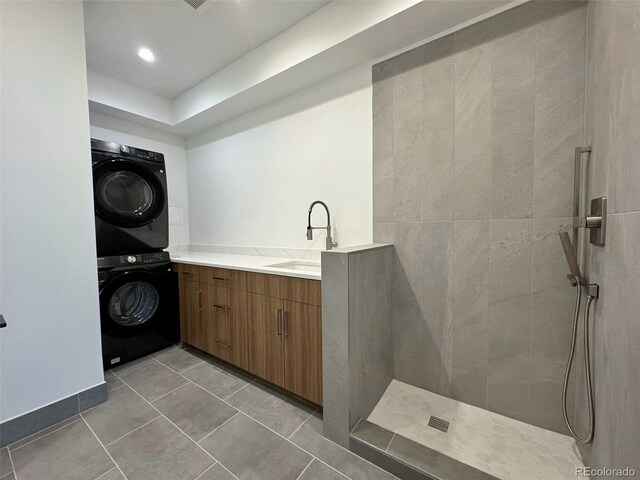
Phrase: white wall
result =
(49, 288)
(252, 179)
(112, 129)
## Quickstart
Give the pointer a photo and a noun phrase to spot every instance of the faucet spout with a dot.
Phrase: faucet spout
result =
(329, 243)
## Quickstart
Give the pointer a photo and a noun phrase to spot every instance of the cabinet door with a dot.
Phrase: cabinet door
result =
(302, 334)
(265, 338)
(194, 325)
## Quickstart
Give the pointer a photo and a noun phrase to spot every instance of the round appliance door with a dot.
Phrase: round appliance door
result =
(131, 303)
(126, 194)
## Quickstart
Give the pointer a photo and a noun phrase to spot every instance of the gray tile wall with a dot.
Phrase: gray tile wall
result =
(612, 126)
(473, 139)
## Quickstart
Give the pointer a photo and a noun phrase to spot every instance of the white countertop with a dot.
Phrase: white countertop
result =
(249, 263)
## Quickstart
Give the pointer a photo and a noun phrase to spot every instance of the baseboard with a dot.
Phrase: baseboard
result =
(20, 427)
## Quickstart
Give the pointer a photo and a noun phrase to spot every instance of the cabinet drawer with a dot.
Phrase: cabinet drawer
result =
(189, 272)
(222, 277)
(268, 285)
(304, 291)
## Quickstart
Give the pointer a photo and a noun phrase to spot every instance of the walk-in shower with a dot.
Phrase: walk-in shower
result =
(596, 222)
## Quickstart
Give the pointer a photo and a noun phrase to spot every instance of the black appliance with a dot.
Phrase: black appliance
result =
(138, 306)
(130, 199)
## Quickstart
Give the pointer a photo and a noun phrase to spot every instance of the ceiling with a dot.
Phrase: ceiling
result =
(188, 46)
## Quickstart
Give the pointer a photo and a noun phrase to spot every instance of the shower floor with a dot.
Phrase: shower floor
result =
(495, 444)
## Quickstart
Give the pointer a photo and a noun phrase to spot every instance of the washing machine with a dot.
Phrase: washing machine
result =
(130, 199)
(139, 312)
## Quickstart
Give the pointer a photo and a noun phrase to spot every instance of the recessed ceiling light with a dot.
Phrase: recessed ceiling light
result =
(146, 54)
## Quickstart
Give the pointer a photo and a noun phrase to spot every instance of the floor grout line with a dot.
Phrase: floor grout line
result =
(110, 470)
(13, 467)
(104, 448)
(46, 434)
(129, 433)
(305, 469)
(168, 393)
(182, 431)
(200, 476)
(223, 423)
(242, 387)
(392, 437)
(300, 426)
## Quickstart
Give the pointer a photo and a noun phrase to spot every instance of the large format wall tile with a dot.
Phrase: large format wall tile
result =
(559, 104)
(467, 338)
(512, 96)
(474, 136)
(436, 295)
(472, 162)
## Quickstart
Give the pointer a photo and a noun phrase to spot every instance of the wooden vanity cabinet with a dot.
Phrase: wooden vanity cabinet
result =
(268, 325)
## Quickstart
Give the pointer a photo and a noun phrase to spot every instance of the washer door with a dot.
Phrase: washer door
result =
(131, 303)
(126, 194)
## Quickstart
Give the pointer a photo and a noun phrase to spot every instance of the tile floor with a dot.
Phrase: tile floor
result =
(492, 443)
(178, 416)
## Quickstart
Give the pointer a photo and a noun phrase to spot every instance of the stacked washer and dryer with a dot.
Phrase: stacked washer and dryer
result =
(138, 290)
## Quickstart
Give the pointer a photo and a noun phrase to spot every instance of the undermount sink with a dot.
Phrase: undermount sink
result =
(303, 265)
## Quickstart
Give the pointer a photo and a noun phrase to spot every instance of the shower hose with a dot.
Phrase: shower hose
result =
(587, 365)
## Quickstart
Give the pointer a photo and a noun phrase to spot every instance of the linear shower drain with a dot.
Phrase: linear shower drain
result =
(438, 424)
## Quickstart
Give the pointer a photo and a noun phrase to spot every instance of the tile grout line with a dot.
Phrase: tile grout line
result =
(46, 434)
(300, 426)
(223, 423)
(135, 429)
(13, 467)
(392, 437)
(105, 450)
(110, 470)
(168, 393)
(304, 469)
(179, 429)
(200, 476)
(232, 394)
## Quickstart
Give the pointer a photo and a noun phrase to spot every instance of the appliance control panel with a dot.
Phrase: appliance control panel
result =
(126, 150)
(133, 259)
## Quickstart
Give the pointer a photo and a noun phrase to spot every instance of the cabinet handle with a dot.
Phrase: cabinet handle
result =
(279, 321)
(219, 278)
(200, 300)
(285, 320)
(186, 273)
(223, 307)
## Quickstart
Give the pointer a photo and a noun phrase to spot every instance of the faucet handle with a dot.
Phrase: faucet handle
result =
(309, 233)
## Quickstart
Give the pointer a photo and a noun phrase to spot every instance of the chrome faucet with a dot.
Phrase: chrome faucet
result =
(330, 243)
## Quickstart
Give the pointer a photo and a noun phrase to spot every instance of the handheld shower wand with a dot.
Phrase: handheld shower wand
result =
(578, 281)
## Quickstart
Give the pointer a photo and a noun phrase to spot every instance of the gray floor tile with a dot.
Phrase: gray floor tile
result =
(270, 407)
(123, 412)
(309, 437)
(113, 474)
(112, 380)
(153, 380)
(195, 411)
(159, 451)
(216, 380)
(131, 365)
(372, 434)
(177, 358)
(5, 463)
(70, 453)
(41, 433)
(9, 476)
(433, 462)
(251, 451)
(217, 472)
(319, 471)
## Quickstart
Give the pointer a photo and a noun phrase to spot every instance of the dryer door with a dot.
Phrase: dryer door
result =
(133, 302)
(126, 194)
